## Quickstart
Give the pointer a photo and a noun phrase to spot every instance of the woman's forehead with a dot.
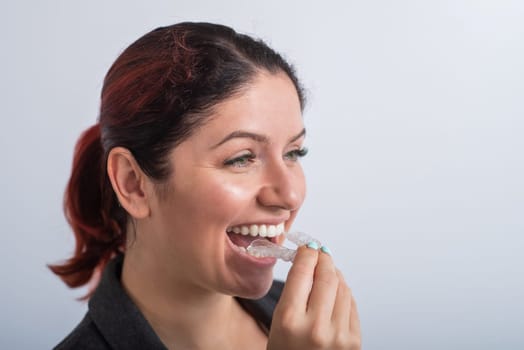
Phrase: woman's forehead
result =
(268, 106)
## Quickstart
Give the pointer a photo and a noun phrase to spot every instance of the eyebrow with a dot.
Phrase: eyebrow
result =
(255, 137)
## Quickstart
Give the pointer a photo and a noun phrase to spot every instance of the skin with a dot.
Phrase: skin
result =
(240, 167)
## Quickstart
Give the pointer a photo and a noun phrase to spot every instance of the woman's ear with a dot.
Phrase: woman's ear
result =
(129, 182)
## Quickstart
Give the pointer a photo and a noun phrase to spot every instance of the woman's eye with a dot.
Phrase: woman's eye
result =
(240, 161)
(295, 154)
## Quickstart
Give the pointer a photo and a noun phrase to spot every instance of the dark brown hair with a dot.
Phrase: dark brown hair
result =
(156, 93)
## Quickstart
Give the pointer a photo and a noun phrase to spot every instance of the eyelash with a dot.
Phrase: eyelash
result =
(240, 161)
(296, 154)
(243, 160)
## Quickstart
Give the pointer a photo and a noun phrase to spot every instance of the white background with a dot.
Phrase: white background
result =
(415, 172)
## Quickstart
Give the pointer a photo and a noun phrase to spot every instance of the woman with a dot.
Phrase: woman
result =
(196, 154)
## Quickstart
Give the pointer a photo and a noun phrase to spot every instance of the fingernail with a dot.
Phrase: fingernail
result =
(313, 245)
(325, 249)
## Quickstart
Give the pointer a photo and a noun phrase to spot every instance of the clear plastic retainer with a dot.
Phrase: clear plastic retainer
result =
(263, 248)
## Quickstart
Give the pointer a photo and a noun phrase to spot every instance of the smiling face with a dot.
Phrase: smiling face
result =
(238, 171)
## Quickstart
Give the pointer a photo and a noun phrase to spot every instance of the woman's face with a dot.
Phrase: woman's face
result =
(238, 171)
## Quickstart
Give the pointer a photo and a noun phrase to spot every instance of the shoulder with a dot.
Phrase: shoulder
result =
(85, 336)
(113, 320)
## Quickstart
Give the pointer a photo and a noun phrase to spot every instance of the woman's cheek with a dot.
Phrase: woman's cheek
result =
(227, 199)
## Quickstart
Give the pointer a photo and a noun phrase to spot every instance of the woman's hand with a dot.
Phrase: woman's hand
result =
(316, 309)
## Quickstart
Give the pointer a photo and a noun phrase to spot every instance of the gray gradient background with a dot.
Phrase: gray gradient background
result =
(415, 173)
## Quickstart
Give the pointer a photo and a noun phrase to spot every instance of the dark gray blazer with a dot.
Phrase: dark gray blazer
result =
(114, 322)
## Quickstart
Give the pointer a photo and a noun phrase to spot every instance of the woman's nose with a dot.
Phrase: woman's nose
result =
(284, 187)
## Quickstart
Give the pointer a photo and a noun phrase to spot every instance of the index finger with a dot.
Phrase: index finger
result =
(300, 279)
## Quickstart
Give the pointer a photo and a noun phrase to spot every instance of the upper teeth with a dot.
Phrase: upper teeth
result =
(258, 230)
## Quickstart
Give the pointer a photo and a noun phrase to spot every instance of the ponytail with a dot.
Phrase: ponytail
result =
(92, 210)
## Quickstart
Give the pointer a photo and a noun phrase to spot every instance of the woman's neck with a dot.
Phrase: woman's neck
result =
(188, 317)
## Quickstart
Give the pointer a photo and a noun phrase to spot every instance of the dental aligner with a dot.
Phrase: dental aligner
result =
(263, 248)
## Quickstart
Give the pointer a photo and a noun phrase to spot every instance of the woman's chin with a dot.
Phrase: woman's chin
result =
(255, 288)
